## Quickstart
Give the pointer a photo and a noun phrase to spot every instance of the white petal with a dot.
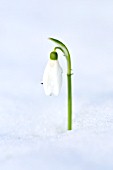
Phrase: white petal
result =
(52, 78)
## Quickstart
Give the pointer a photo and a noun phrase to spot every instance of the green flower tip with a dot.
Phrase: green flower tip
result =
(53, 55)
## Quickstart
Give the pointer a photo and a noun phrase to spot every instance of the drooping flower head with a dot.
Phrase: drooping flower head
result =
(52, 78)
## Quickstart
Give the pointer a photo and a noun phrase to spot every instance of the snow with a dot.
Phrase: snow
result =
(33, 126)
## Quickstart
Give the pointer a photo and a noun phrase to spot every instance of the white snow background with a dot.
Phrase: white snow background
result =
(33, 134)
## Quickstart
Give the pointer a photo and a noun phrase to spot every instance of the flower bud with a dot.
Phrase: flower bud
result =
(52, 78)
(53, 55)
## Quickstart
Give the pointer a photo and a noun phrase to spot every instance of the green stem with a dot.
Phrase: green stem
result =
(65, 51)
(69, 102)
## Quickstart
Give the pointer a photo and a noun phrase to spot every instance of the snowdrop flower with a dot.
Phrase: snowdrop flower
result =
(52, 78)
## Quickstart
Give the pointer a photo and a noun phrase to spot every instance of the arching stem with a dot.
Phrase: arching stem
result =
(65, 51)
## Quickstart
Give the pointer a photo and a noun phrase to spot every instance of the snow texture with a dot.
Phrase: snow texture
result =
(33, 127)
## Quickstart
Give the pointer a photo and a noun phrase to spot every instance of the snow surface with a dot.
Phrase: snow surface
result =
(33, 132)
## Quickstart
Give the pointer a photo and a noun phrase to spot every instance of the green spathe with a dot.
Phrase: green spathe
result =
(53, 55)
